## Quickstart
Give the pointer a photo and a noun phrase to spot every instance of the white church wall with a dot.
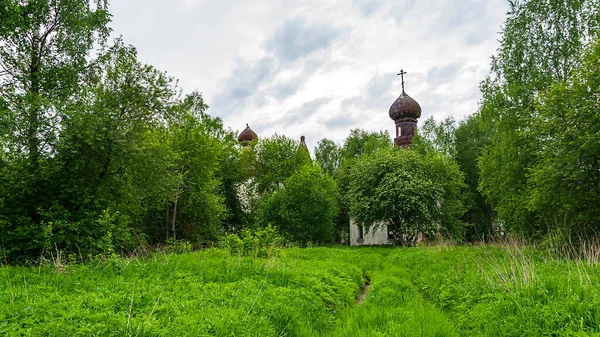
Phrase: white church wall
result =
(378, 236)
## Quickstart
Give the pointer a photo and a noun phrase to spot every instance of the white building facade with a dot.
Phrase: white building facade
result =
(375, 236)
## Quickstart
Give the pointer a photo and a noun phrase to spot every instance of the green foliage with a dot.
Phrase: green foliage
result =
(304, 208)
(273, 160)
(361, 142)
(464, 142)
(328, 155)
(441, 136)
(258, 242)
(407, 191)
(357, 144)
(44, 49)
(566, 179)
(90, 129)
(195, 205)
(542, 44)
(178, 246)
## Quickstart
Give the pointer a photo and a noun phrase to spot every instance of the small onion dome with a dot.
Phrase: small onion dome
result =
(405, 106)
(246, 136)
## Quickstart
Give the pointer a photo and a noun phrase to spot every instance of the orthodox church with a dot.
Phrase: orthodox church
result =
(405, 112)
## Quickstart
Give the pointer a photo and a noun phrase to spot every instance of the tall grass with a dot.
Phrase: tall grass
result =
(507, 289)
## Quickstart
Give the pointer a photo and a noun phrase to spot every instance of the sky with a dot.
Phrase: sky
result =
(317, 68)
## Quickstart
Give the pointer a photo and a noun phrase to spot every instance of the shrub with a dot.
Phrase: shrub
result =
(179, 246)
(305, 207)
(262, 242)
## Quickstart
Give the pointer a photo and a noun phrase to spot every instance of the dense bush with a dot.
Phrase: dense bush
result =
(304, 208)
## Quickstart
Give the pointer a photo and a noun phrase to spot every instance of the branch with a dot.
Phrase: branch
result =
(6, 71)
(46, 34)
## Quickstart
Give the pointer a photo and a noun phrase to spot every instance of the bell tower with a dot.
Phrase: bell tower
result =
(405, 111)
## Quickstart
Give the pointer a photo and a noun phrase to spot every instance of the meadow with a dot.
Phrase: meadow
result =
(327, 291)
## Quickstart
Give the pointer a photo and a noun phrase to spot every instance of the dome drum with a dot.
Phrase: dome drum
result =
(405, 131)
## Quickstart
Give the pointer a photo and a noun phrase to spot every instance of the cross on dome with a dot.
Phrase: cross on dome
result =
(401, 74)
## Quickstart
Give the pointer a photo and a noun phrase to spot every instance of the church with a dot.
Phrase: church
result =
(405, 112)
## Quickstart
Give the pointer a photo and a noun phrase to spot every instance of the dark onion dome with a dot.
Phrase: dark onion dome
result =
(405, 106)
(246, 136)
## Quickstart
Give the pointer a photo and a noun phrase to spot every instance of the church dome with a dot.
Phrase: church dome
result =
(405, 106)
(246, 136)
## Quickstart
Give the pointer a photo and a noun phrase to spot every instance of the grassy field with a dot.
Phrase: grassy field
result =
(423, 291)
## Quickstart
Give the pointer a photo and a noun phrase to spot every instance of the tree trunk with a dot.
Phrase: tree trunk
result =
(173, 228)
(34, 105)
(167, 220)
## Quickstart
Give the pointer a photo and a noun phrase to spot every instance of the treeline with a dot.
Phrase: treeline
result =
(100, 153)
(531, 154)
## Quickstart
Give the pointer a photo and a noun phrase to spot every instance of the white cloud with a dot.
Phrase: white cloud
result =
(317, 67)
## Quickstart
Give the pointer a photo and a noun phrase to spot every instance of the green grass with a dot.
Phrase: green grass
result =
(426, 291)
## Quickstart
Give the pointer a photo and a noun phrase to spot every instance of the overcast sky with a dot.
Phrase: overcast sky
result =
(317, 67)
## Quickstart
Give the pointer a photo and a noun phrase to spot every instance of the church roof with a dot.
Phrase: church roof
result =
(405, 106)
(246, 136)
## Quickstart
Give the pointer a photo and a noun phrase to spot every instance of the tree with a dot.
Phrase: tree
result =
(196, 206)
(361, 142)
(464, 142)
(304, 208)
(272, 160)
(565, 182)
(472, 136)
(45, 49)
(542, 42)
(407, 191)
(113, 155)
(441, 136)
(43, 54)
(328, 155)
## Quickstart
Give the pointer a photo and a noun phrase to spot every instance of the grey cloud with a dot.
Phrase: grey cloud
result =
(341, 122)
(447, 103)
(401, 9)
(368, 7)
(297, 38)
(380, 85)
(289, 88)
(467, 20)
(377, 95)
(444, 74)
(460, 13)
(245, 80)
(306, 110)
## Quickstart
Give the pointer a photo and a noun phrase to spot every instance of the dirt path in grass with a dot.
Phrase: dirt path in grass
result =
(364, 291)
